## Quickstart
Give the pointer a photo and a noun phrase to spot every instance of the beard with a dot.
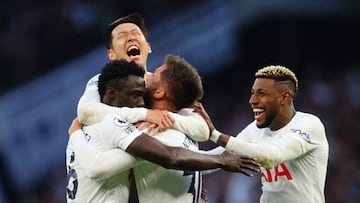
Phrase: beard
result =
(270, 116)
(148, 100)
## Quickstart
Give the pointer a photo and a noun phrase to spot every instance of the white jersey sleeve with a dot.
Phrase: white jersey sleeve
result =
(191, 124)
(90, 110)
(97, 164)
(116, 132)
(300, 137)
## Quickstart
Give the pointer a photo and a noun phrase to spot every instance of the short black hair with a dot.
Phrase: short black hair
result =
(135, 18)
(116, 70)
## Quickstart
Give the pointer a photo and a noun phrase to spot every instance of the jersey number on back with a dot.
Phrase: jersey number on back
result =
(72, 181)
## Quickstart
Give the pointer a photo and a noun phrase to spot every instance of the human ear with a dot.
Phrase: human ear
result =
(149, 46)
(110, 92)
(111, 54)
(286, 97)
(159, 93)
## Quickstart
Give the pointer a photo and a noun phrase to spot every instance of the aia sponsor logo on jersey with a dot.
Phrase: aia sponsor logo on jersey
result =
(272, 175)
(301, 133)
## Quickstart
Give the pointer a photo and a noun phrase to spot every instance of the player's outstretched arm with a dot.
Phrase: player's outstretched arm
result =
(153, 150)
(90, 110)
(288, 148)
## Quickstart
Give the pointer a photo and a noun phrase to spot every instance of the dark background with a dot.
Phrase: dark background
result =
(49, 49)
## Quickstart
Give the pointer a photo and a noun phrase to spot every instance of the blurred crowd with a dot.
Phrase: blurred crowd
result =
(38, 35)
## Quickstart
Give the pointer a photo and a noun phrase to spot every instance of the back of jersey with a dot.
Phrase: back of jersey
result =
(156, 184)
(82, 188)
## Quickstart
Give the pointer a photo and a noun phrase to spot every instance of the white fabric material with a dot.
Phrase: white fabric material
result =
(112, 132)
(165, 185)
(294, 159)
(191, 124)
(90, 110)
(156, 184)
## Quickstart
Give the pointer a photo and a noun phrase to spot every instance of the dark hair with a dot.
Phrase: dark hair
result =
(116, 70)
(183, 82)
(132, 18)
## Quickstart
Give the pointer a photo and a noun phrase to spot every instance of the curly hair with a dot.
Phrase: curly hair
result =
(279, 74)
(115, 71)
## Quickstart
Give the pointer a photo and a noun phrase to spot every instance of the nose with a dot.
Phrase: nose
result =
(253, 99)
(130, 37)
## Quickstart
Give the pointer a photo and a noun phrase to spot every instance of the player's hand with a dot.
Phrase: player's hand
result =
(141, 125)
(160, 117)
(75, 125)
(150, 128)
(204, 192)
(242, 164)
(199, 108)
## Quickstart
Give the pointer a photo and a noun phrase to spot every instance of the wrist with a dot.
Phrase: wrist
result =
(214, 136)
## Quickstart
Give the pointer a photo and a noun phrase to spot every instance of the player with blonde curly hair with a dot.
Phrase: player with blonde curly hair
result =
(290, 145)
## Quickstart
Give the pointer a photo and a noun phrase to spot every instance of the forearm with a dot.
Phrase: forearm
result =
(194, 126)
(97, 164)
(93, 112)
(267, 156)
(195, 161)
(271, 154)
(173, 157)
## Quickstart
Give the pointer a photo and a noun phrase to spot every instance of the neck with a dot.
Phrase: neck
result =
(164, 105)
(282, 119)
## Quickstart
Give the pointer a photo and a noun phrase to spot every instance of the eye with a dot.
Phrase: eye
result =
(121, 35)
(136, 32)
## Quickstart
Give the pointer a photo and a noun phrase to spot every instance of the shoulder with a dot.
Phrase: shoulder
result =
(93, 81)
(187, 112)
(307, 117)
(250, 130)
(115, 120)
(308, 125)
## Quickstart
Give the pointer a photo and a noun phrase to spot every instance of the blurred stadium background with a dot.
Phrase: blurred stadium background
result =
(49, 49)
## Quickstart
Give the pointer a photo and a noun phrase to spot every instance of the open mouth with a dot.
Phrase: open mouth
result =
(133, 51)
(258, 112)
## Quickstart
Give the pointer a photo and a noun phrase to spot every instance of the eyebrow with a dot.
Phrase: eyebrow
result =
(132, 30)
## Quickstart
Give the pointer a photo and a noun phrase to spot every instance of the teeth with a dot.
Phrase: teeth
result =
(133, 47)
(257, 110)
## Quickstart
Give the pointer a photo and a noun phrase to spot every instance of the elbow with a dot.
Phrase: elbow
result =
(202, 135)
(85, 114)
(95, 174)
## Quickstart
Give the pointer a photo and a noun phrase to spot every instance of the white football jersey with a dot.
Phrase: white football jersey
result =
(156, 184)
(112, 132)
(294, 158)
